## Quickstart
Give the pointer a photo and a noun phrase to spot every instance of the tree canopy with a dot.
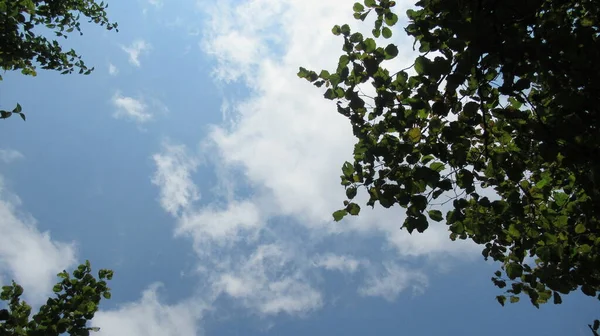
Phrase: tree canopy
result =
(499, 118)
(75, 303)
(24, 48)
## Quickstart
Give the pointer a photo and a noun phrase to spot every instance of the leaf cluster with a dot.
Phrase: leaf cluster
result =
(24, 48)
(503, 96)
(75, 302)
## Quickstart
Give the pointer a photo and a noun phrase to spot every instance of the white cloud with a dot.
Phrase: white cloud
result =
(10, 155)
(286, 138)
(269, 282)
(173, 175)
(238, 35)
(156, 3)
(134, 51)
(30, 257)
(150, 317)
(112, 69)
(392, 280)
(342, 263)
(221, 225)
(131, 108)
(285, 144)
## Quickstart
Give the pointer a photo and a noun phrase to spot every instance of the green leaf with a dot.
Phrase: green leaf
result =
(106, 295)
(391, 18)
(514, 231)
(345, 29)
(348, 169)
(18, 290)
(419, 223)
(445, 184)
(414, 134)
(580, 228)
(376, 32)
(470, 109)
(386, 32)
(437, 166)
(560, 198)
(426, 158)
(329, 94)
(557, 298)
(513, 270)
(351, 192)
(391, 51)
(18, 109)
(303, 73)
(588, 290)
(587, 22)
(356, 38)
(420, 64)
(358, 7)
(501, 299)
(542, 183)
(514, 103)
(353, 209)
(336, 30)
(369, 45)
(436, 215)
(370, 3)
(420, 202)
(514, 299)
(338, 215)
(334, 80)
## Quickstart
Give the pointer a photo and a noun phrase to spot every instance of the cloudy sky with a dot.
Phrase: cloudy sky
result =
(196, 165)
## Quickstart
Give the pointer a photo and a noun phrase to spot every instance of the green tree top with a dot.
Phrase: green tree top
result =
(506, 96)
(75, 302)
(22, 45)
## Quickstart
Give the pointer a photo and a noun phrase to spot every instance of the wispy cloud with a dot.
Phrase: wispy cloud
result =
(131, 108)
(10, 155)
(134, 51)
(341, 263)
(287, 139)
(284, 145)
(173, 175)
(156, 3)
(264, 283)
(112, 69)
(392, 280)
(30, 257)
(221, 226)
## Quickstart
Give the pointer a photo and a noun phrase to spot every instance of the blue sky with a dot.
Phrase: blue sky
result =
(196, 165)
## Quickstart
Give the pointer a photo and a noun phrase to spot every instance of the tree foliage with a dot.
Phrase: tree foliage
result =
(22, 46)
(75, 303)
(503, 101)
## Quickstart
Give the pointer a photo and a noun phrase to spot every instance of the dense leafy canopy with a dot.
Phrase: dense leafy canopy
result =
(22, 45)
(500, 119)
(75, 303)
